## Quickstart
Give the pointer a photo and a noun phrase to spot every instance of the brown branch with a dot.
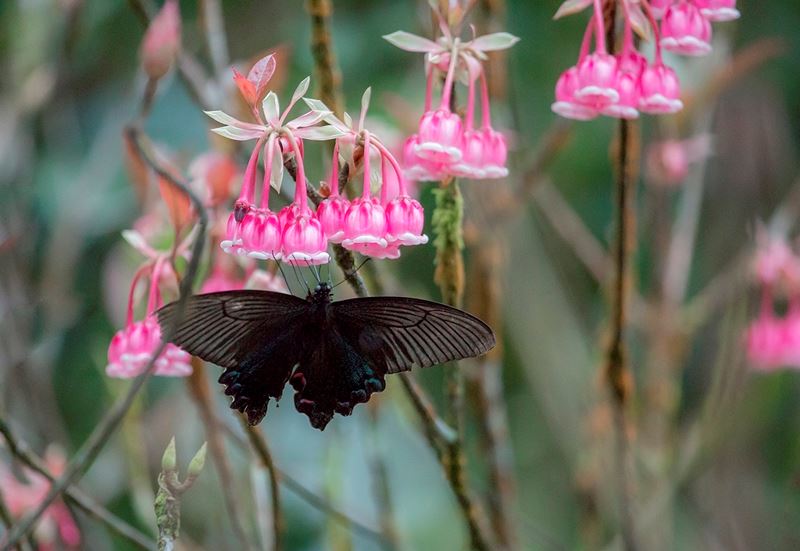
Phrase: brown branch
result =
(201, 395)
(89, 451)
(327, 72)
(73, 494)
(259, 445)
(616, 371)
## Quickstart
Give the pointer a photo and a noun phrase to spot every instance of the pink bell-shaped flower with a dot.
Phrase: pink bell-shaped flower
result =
(261, 235)
(566, 104)
(243, 206)
(440, 136)
(718, 10)
(630, 65)
(304, 240)
(440, 129)
(597, 79)
(416, 168)
(495, 154)
(471, 164)
(331, 210)
(405, 217)
(132, 347)
(660, 91)
(685, 31)
(365, 219)
(764, 341)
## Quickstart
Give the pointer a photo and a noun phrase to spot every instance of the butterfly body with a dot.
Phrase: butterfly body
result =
(334, 355)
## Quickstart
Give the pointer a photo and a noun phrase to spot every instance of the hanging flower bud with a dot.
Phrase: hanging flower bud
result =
(162, 41)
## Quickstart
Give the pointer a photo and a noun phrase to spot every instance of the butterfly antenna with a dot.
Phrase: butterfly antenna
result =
(315, 271)
(300, 278)
(283, 275)
(366, 259)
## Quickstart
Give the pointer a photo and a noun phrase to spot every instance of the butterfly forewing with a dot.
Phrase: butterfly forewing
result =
(399, 333)
(223, 328)
(256, 335)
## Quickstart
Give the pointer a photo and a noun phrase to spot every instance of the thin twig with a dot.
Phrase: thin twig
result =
(216, 38)
(616, 370)
(73, 494)
(259, 444)
(89, 451)
(201, 394)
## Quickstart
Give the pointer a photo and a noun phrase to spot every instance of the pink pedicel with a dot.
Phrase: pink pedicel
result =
(685, 31)
(304, 240)
(243, 207)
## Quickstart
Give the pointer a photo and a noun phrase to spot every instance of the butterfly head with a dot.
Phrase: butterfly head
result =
(323, 293)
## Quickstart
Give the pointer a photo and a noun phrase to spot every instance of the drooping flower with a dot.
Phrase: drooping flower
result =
(365, 219)
(685, 31)
(444, 145)
(669, 161)
(331, 211)
(133, 346)
(772, 341)
(624, 85)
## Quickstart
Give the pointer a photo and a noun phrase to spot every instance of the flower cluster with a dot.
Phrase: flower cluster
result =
(298, 234)
(21, 497)
(133, 346)
(445, 144)
(627, 84)
(773, 339)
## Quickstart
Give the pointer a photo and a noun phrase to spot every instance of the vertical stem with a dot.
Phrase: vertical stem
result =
(616, 370)
(261, 448)
(327, 71)
(201, 394)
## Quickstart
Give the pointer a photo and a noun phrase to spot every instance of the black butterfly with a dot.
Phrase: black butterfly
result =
(334, 354)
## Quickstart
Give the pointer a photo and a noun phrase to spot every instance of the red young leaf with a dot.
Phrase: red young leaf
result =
(261, 73)
(178, 205)
(247, 88)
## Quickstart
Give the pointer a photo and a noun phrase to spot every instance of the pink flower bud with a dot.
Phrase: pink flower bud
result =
(261, 235)
(659, 7)
(162, 41)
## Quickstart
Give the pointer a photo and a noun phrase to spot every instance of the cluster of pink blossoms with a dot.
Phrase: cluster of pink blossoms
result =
(132, 346)
(445, 144)
(375, 226)
(773, 340)
(626, 84)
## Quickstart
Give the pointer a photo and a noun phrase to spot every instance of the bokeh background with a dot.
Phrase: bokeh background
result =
(716, 446)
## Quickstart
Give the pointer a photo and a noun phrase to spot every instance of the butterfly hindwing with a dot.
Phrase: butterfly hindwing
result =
(333, 378)
(396, 334)
(256, 335)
